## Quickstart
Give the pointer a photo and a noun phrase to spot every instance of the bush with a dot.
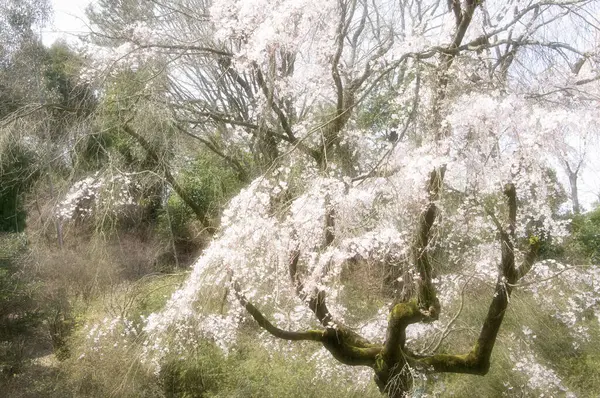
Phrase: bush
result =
(106, 346)
(586, 233)
(18, 172)
(211, 184)
(19, 313)
(203, 374)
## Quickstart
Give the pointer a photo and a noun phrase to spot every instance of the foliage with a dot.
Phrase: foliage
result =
(18, 172)
(72, 99)
(19, 312)
(210, 185)
(586, 232)
(121, 103)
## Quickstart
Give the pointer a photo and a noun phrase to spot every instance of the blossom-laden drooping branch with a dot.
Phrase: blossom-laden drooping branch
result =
(98, 194)
(392, 360)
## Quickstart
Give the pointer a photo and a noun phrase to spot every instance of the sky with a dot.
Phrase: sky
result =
(69, 21)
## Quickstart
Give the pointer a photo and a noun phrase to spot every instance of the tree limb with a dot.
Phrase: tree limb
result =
(263, 322)
(477, 361)
(199, 212)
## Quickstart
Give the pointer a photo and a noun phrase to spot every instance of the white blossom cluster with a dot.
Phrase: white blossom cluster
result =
(118, 332)
(575, 291)
(538, 377)
(289, 24)
(97, 194)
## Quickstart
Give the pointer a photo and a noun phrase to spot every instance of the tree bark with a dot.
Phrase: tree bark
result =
(573, 176)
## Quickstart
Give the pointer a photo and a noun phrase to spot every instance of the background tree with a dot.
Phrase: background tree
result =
(19, 52)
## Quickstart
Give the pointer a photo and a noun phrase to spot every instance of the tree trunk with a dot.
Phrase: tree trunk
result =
(573, 174)
(574, 194)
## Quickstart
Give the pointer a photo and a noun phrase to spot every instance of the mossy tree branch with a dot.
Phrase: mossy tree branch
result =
(344, 345)
(392, 361)
(477, 361)
(263, 322)
(392, 370)
(316, 301)
(427, 298)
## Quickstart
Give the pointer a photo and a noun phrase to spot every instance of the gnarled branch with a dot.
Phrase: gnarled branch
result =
(477, 361)
(263, 322)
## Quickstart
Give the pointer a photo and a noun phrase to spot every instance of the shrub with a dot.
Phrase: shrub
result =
(18, 172)
(19, 313)
(210, 183)
(586, 232)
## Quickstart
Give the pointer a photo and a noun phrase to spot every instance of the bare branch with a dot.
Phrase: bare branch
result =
(200, 214)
